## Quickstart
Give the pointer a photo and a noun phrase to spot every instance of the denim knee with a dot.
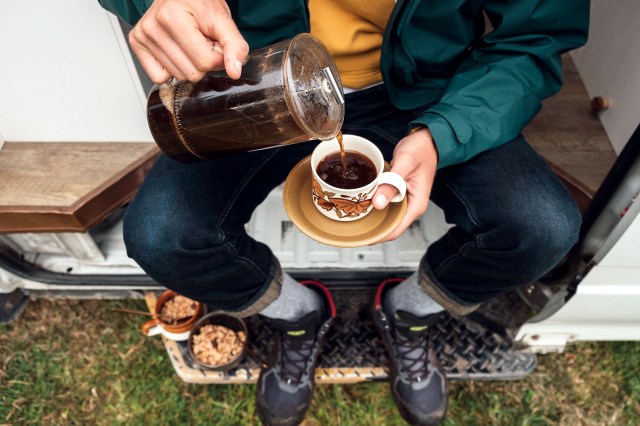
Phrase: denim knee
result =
(199, 261)
(529, 242)
(162, 248)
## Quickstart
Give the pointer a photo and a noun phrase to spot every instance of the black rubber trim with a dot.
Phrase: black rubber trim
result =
(345, 279)
(10, 262)
(332, 278)
(612, 181)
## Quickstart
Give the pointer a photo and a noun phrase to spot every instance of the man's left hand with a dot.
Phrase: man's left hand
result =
(415, 158)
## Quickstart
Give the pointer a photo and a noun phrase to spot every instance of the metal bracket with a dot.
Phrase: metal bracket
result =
(547, 343)
(11, 305)
(334, 86)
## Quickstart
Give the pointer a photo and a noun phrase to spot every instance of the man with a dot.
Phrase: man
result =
(442, 99)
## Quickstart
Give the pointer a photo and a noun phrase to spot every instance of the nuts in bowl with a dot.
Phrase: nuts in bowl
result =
(218, 341)
(174, 316)
(178, 309)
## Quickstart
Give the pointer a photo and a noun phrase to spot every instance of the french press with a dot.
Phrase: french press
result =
(288, 92)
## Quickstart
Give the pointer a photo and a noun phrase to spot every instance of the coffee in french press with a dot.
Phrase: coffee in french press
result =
(288, 92)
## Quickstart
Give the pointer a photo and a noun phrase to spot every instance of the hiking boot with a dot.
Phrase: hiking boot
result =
(418, 381)
(286, 382)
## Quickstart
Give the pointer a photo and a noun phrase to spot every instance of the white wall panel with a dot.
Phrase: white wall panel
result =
(66, 74)
(609, 65)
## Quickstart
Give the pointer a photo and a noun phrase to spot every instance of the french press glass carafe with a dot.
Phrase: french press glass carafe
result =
(288, 92)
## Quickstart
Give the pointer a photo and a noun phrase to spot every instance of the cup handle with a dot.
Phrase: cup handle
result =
(395, 180)
(152, 327)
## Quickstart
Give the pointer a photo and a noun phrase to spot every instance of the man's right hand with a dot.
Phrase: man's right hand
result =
(186, 38)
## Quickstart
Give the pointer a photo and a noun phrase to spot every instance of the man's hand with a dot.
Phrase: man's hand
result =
(186, 38)
(415, 158)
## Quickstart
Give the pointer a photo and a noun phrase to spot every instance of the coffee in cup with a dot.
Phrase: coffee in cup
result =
(359, 170)
(346, 194)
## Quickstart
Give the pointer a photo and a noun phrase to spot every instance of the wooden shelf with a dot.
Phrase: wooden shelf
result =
(68, 186)
(570, 135)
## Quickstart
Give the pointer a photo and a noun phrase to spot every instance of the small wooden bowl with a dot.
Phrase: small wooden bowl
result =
(232, 323)
(181, 327)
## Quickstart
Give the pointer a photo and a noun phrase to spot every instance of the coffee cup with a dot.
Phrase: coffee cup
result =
(349, 204)
(178, 332)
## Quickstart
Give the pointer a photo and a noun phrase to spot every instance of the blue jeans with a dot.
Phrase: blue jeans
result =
(514, 220)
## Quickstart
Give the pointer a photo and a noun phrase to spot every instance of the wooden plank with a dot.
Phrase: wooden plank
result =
(68, 186)
(588, 167)
(57, 175)
(567, 133)
(581, 193)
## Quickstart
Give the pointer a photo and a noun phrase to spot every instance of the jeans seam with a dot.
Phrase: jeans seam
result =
(246, 261)
(474, 219)
(448, 260)
(242, 186)
(479, 242)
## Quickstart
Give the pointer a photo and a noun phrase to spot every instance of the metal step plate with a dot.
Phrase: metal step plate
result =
(353, 351)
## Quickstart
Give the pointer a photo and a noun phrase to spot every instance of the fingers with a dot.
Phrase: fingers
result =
(383, 194)
(418, 190)
(152, 57)
(405, 165)
(154, 69)
(191, 51)
(234, 48)
(176, 39)
(415, 161)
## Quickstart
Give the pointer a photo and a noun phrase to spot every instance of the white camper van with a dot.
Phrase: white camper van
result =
(75, 146)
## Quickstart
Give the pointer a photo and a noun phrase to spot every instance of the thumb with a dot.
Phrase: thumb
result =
(234, 48)
(382, 196)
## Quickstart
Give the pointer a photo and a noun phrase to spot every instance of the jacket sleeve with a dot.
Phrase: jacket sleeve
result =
(499, 86)
(129, 10)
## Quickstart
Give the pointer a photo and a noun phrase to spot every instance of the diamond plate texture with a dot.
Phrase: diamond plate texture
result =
(354, 352)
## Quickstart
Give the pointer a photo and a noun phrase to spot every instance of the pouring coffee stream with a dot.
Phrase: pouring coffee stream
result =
(342, 154)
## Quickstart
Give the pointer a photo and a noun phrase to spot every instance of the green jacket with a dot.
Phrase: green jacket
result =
(477, 91)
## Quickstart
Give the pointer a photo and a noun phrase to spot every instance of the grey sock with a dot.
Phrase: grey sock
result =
(294, 302)
(410, 297)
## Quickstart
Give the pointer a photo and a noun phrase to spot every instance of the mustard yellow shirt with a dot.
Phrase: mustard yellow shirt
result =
(352, 31)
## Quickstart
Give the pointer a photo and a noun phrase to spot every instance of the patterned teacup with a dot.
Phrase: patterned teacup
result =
(347, 205)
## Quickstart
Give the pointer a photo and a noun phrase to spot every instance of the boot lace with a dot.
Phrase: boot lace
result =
(295, 355)
(412, 354)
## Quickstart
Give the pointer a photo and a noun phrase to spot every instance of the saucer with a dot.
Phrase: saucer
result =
(362, 232)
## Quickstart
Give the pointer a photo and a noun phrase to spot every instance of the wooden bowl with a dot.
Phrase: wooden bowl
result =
(217, 318)
(181, 327)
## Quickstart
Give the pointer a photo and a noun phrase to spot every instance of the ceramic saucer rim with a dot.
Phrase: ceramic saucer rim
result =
(362, 242)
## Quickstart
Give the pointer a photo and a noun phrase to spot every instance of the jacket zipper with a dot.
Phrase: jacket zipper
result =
(384, 51)
(307, 19)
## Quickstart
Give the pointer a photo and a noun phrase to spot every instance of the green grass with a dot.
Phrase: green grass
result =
(78, 362)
